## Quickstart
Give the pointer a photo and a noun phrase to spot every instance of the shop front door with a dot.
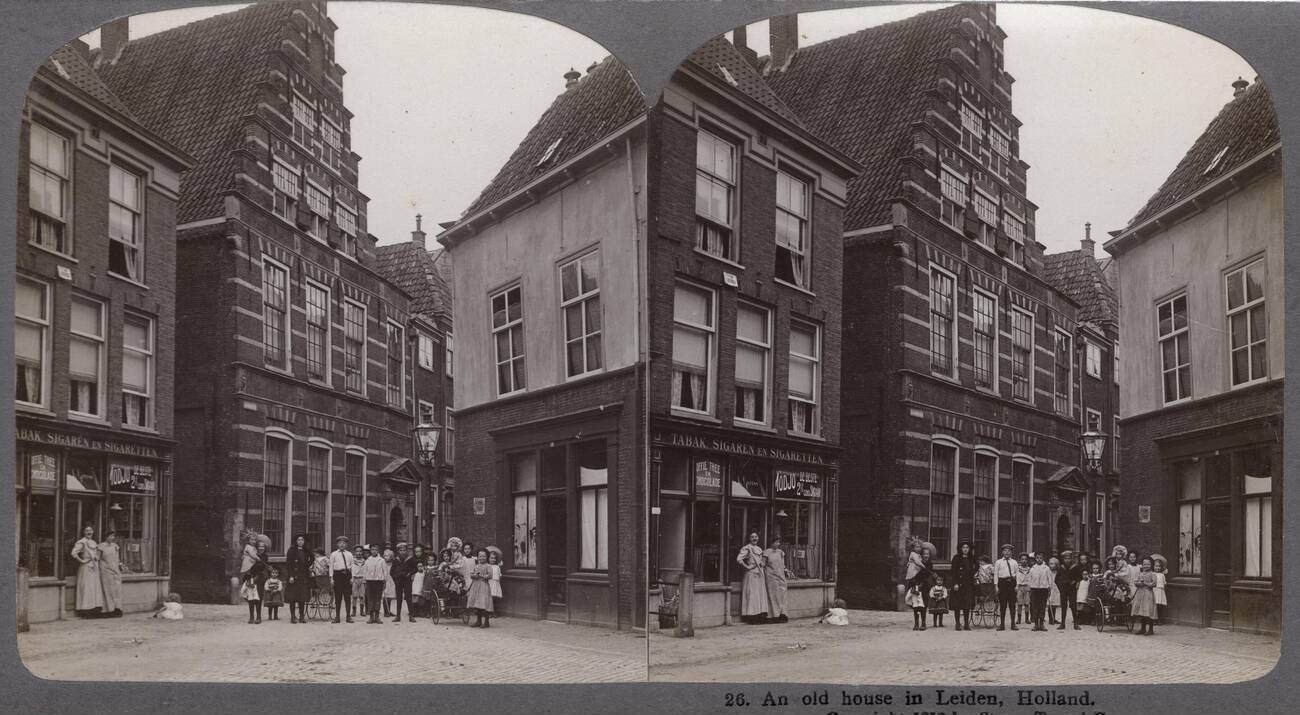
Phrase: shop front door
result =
(555, 561)
(1218, 538)
(744, 518)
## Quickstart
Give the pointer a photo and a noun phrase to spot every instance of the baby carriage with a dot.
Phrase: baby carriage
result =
(1108, 601)
(986, 604)
(445, 592)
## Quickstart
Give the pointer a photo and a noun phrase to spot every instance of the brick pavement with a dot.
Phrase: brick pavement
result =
(880, 648)
(215, 643)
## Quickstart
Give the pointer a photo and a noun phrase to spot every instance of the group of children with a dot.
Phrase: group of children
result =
(1123, 578)
(459, 571)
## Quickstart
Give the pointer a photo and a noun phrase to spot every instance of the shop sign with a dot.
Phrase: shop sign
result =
(747, 449)
(1144, 514)
(708, 477)
(806, 485)
(131, 477)
(76, 441)
(45, 470)
(480, 506)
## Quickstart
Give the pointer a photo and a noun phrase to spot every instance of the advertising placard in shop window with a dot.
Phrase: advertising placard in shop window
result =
(798, 485)
(708, 477)
(45, 471)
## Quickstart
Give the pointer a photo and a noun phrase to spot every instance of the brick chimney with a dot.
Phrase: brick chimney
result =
(740, 40)
(1087, 245)
(784, 35)
(113, 38)
(418, 235)
(1239, 86)
(571, 77)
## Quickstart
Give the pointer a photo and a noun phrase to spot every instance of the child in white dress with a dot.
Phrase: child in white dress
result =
(836, 615)
(1162, 579)
(494, 563)
(171, 608)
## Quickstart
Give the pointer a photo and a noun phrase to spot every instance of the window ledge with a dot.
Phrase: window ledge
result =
(57, 254)
(89, 419)
(794, 287)
(754, 426)
(594, 577)
(699, 416)
(945, 377)
(137, 428)
(583, 376)
(34, 410)
(805, 435)
(719, 259)
(124, 279)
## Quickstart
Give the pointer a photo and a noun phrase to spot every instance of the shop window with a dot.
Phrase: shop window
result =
(553, 472)
(1257, 500)
(693, 348)
(1248, 323)
(276, 467)
(85, 474)
(354, 478)
(984, 309)
(1188, 477)
(318, 330)
(126, 237)
(706, 541)
(674, 473)
(943, 322)
(749, 481)
(48, 194)
(137, 370)
(86, 357)
(508, 335)
(744, 518)
(79, 511)
(943, 497)
(1175, 351)
(523, 476)
(1022, 355)
(40, 551)
(275, 307)
(31, 341)
(593, 497)
(354, 346)
(805, 379)
(133, 514)
(672, 536)
(580, 304)
(753, 350)
(715, 190)
(792, 236)
(798, 520)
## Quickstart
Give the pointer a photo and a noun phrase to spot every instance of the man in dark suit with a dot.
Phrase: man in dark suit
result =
(404, 568)
(1004, 571)
(1067, 582)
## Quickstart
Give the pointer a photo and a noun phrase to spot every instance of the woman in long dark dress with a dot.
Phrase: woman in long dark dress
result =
(297, 586)
(962, 599)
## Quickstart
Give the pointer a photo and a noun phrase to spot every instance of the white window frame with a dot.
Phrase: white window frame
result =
(763, 346)
(815, 361)
(449, 360)
(953, 498)
(972, 128)
(41, 170)
(1029, 355)
(993, 336)
(332, 136)
(953, 188)
(1013, 225)
(800, 256)
(101, 356)
(287, 488)
(1091, 420)
(286, 183)
(424, 350)
(346, 219)
(1248, 309)
(1174, 334)
(355, 451)
(269, 265)
(133, 251)
(1063, 399)
(1092, 359)
(318, 203)
(711, 229)
(148, 355)
(1114, 444)
(1262, 539)
(508, 327)
(986, 209)
(710, 333)
(449, 436)
(42, 323)
(977, 452)
(581, 302)
(362, 357)
(425, 409)
(938, 277)
(327, 348)
(326, 530)
(1114, 371)
(1000, 143)
(303, 115)
(1029, 504)
(399, 399)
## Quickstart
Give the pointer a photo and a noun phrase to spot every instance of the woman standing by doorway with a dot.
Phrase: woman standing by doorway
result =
(753, 597)
(297, 563)
(90, 592)
(110, 574)
(775, 574)
(962, 596)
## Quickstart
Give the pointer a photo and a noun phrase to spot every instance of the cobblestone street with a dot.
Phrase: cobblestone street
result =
(881, 648)
(215, 643)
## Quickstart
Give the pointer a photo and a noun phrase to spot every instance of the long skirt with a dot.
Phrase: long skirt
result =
(1054, 598)
(90, 592)
(753, 597)
(480, 596)
(111, 582)
(776, 589)
(1144, 604)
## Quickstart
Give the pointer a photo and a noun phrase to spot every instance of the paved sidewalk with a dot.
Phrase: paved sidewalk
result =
(215, 643)
(880, 647)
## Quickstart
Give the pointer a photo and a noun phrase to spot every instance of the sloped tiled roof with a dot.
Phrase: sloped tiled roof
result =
(1245, 126)
(194, 84)
(1080, 276)
(860, 93)
(412, 268)
(717, 54)
(601, 102)
(68, 63)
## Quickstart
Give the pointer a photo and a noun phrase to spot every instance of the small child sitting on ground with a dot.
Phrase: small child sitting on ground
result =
(171, 608)
(836, 615)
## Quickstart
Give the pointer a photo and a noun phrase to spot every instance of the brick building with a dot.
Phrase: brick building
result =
(1201, 291)
(425, 276)
(294, 406)
(1082, 276)
(94, 336)
(746, 213)
(959, 411)
(549, 367)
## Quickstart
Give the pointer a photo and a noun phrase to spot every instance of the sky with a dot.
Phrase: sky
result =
(1109, 102)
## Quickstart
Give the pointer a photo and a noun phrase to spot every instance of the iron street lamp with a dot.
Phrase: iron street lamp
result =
(1094, 444)
(426, 441)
